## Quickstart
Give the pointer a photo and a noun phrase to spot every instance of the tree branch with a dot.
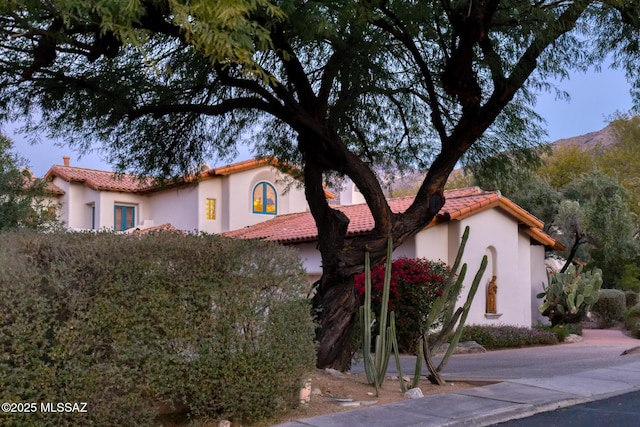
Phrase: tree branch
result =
(221, 108)
(295, 71)
(400, 33)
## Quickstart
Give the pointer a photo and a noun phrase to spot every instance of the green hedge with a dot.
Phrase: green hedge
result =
(215, 327)
(610, 307)
(507, 336)
(632, 320)
(631, 298)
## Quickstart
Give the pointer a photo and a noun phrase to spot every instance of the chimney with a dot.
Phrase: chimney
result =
(66, 160)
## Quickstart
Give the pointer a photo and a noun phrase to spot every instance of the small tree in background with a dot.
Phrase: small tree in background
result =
(415, 284)
(603, 222)
(623, 158)
(586, 208)
(22, 198)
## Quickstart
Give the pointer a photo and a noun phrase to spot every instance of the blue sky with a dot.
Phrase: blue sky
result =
(595, 96)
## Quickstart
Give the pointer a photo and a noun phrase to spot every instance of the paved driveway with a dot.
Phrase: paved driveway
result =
(599, 348)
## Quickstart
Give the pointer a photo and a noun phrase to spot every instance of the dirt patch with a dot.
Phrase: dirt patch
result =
(327, 388)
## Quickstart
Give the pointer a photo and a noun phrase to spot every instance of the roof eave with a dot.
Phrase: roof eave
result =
(543, 238)
(522, 215)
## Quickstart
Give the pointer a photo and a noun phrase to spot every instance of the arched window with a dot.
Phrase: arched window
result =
(265, 199)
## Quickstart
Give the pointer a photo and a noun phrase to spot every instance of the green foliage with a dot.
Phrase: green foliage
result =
(506, 336)
(566, 163)
(22, 198)
(414, 285)
(164, 86)
(632, 320)
(202, 324)
(386, 340)
(630, 279)
(611, 243)
(610, 307)
(562, 331)
(631, 298)
(537, 196)
(570, 295)
(442, 313)
(573, 190)
(622, 159)
(130, 69)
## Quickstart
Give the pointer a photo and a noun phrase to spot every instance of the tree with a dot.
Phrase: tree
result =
(588, 211)
(21, 196)
(516, 176)
(335, 86)
(596, 214)
(565, 163)
(622, 159)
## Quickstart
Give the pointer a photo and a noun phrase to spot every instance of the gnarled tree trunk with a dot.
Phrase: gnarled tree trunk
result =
(335, 302)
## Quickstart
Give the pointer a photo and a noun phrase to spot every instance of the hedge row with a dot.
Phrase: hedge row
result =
(212, 327)
(610, 307)
(507, 336)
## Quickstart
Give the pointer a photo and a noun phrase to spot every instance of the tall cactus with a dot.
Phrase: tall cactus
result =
(443, 311)
(376, 365)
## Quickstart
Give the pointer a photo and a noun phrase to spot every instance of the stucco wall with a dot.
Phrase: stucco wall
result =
(310, 257)
(494, 233)
(210, 189)
(178, 206)
(237, 190)
(433, 243)
(538, 278)
(63, 207)
(184, 207)
(523, 299)
(511, 258)
(76, 204)
(105, 209)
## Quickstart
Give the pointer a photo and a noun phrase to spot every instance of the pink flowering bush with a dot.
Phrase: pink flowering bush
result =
(415, 284)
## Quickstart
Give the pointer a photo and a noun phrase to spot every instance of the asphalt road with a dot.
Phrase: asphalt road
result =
(599, 349)
(619, 411)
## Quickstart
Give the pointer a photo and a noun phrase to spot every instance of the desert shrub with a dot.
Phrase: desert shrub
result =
(562, 331)
(632, 320)
(415, 284)
(610, 307)
(629, 281)
(574, 328)
(214, 326)
(506, 336)
(631, 298)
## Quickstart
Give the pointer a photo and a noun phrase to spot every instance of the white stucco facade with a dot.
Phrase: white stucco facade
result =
(84, 205)
(223, 200)
(517, 263)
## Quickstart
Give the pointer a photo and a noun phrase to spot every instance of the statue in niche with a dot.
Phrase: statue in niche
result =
(492, 292)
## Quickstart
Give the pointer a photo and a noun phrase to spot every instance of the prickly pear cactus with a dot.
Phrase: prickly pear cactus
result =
(570, 295)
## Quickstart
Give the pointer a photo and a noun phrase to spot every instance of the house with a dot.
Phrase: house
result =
(255, 199)
(511, 238)
(217, 200)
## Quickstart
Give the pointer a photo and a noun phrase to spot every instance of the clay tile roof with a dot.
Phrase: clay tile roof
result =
(51, 188)
(242, 166)
(99, 180)
(110, 181)
(163, 228)
(460, 203)
(256, 163)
